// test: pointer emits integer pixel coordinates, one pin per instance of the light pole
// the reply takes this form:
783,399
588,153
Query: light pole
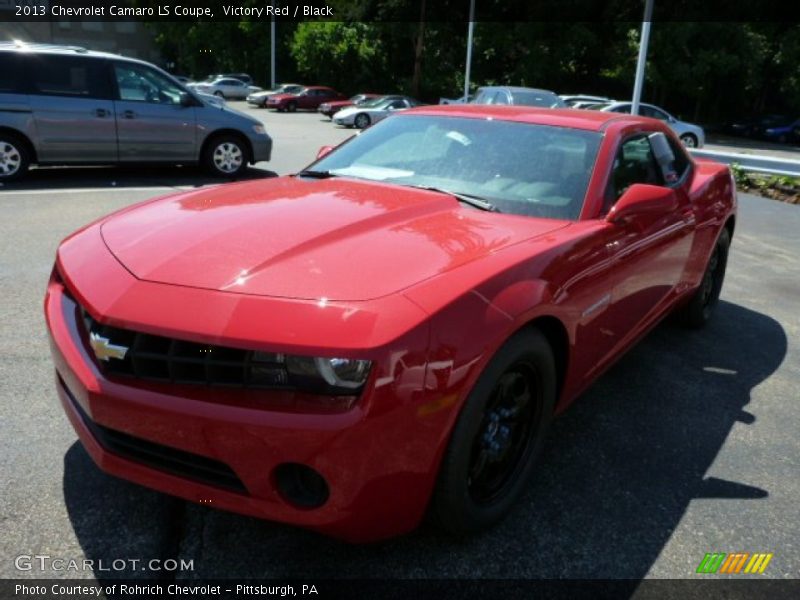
470,29
641,63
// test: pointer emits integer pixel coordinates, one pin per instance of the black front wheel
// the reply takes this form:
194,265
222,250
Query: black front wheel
226,156
497,436
362,121
14,158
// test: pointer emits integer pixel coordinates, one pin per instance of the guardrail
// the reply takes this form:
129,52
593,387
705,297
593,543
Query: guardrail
753,162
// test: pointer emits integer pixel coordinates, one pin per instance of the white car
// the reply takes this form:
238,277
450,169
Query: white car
260,98
364,115
692,136
225,87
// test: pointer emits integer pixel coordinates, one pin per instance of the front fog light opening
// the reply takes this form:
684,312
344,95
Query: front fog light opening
301,485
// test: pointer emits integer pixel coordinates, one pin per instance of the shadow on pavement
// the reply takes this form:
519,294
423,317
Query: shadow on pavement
57,178
617,475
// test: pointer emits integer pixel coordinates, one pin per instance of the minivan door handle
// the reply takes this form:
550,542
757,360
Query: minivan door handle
101,112
129,114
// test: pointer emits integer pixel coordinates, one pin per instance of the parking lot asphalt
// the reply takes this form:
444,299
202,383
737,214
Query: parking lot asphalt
689,445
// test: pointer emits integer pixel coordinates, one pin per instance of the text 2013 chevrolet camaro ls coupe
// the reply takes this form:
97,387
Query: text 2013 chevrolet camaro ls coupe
391,330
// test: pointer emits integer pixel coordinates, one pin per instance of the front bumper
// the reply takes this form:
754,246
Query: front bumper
262,147
379,458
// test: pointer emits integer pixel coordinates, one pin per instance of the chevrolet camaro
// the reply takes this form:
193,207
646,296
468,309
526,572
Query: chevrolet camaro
389,332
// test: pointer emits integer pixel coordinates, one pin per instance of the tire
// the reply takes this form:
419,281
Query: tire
362,121
219,94
701,305
14,157
291,106
689,140
488,439
225,156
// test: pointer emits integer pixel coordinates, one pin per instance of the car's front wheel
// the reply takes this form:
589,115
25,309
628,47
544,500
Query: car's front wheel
14,159
689,140
497,436
701,305
225,156
362,121
219,94
291,107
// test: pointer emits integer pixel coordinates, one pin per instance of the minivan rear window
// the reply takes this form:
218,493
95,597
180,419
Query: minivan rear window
70,76
10,74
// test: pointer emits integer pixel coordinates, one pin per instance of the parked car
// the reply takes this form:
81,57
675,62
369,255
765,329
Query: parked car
260,98
778,129
372,111
226,87
243,77
460,100
691,135
66,106
581,100
309,98
332,107
390,331
518,95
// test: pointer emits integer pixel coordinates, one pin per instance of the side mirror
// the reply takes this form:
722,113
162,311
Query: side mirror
185,99
323,151
642,200
664,156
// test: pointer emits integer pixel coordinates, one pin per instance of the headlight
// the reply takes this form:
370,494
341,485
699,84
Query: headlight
329,376
770,131
259,129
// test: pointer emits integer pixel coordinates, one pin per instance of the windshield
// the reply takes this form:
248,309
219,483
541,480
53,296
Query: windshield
520,168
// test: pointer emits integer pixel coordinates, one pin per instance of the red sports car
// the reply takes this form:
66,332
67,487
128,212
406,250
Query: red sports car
331,108
391,330
310,98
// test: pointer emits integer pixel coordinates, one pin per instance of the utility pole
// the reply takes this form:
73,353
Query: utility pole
642,62
470,29
272,51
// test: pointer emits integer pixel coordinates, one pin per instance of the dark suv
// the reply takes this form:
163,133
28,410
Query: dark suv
67,105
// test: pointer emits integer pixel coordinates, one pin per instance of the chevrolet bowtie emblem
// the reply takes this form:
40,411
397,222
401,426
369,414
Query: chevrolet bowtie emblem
104,349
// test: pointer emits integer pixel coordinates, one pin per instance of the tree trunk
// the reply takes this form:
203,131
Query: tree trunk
418,48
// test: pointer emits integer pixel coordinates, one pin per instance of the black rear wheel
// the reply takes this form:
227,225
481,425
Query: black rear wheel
14,158
497,436
701,306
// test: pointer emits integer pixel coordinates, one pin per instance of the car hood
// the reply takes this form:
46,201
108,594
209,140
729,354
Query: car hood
336,239
351,110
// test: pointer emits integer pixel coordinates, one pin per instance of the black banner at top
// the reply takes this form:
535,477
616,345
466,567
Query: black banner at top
395,10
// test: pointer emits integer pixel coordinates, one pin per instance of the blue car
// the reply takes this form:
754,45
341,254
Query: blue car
779,129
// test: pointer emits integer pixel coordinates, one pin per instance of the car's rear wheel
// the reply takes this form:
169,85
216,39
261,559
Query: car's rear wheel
14,157
700,307
226,156
362,121
689,140
497,436
291,107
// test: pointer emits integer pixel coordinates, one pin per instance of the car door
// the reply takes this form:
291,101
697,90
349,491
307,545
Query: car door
73,113
152,124
233,88
649,256
311,99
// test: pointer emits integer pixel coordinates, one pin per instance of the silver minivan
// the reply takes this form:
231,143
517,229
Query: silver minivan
66,106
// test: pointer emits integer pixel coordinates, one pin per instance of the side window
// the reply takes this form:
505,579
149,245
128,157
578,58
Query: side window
625,108
138,83
500,98
653,113
681,162
70,76
10,74
634,163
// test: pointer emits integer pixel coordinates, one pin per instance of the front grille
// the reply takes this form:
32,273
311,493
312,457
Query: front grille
163,458
163,359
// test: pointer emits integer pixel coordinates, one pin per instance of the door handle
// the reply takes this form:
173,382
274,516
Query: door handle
129,114
101,112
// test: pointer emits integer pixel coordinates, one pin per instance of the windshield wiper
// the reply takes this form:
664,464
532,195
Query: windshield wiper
315,174
472,200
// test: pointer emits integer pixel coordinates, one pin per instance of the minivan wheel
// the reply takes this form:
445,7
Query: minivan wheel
225,156
498,434
14,159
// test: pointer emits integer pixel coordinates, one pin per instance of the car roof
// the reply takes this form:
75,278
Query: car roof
557,117
515,88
